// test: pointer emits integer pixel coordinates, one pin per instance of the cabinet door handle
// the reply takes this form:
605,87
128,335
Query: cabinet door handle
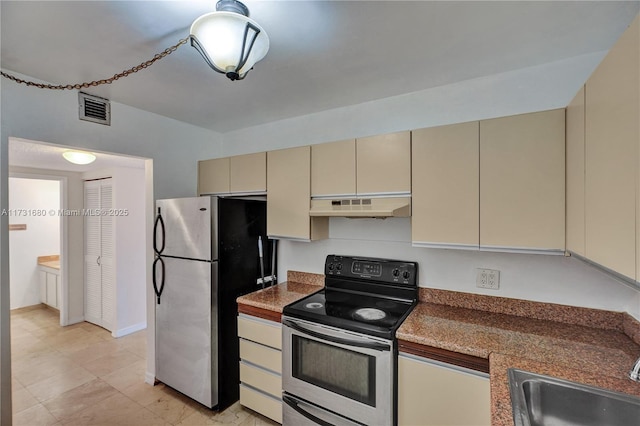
98,260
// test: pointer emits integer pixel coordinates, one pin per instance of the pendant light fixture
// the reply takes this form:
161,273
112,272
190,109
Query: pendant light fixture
79,157
228,40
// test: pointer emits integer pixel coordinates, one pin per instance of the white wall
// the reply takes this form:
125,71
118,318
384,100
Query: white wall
52,116
544,278
531,89
41,238
130,246
131,241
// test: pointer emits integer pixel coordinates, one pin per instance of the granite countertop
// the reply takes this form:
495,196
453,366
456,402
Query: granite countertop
51,261
275,298
579,344
600,356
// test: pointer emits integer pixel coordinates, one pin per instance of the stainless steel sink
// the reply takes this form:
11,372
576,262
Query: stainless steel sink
539,400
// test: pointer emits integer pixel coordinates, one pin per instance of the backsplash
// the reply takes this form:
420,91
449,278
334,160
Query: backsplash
305,278
542,278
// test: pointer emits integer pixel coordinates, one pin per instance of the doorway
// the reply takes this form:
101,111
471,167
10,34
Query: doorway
133,190
36,240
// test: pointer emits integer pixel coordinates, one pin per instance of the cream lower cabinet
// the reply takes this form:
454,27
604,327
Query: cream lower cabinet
431,393
261,365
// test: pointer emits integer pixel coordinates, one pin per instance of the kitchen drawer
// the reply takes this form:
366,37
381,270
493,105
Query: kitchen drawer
261,379
262,403
260,331
261,355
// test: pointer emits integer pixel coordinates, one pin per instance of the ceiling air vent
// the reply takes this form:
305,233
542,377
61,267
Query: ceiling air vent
94,108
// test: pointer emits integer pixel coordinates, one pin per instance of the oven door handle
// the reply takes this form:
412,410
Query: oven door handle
367,345
293,404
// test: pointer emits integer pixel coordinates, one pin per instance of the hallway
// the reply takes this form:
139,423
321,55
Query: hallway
80,375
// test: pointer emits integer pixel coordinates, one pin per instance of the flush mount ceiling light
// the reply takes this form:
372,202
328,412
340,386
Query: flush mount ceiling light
228,40
79,157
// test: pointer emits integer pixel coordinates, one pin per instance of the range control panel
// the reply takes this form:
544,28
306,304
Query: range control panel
372,269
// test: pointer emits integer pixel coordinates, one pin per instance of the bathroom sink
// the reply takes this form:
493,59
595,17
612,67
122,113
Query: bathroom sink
539,400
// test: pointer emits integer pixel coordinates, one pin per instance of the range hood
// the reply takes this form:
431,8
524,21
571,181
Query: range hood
361,207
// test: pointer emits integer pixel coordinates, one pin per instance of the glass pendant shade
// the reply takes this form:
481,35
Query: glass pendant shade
230,42
79,157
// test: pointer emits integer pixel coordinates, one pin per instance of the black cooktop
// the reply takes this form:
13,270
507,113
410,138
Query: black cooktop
365,295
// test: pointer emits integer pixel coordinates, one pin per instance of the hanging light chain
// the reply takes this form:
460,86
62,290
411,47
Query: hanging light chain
95,83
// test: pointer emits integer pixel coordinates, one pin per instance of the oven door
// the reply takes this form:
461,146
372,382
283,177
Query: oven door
344,372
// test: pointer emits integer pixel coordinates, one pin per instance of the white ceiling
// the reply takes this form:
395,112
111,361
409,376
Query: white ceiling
324,54
38,155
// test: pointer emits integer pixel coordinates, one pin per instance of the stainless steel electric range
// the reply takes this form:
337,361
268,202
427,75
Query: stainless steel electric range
339,346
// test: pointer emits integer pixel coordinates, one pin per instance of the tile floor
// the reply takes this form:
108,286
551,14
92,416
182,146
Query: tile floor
80,375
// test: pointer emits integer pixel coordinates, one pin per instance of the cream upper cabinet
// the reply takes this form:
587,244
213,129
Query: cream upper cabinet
366,166
445,176
435,394
248,173
236,175
213,176
522,182
333,169
611,134
383,164
575,174
289,193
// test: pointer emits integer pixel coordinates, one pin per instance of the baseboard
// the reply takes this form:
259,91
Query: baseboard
28,308
75,320
129,330
150,378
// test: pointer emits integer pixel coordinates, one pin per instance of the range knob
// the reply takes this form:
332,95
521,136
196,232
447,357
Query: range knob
406,275
339,266
395,272
331,266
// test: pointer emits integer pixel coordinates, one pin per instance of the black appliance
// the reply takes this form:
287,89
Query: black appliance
339,346
208,252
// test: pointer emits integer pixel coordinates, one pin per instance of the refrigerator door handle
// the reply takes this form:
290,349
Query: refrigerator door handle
157,290
159,222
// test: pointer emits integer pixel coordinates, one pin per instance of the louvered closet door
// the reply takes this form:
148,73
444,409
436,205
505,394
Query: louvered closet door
107,257
99,254
92,248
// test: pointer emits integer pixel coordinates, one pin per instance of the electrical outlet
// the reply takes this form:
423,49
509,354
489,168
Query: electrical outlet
488,278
